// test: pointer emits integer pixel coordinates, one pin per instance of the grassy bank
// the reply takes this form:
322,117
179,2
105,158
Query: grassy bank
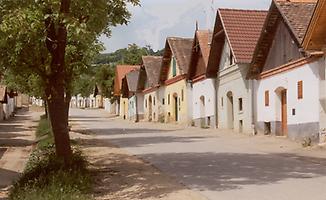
46,178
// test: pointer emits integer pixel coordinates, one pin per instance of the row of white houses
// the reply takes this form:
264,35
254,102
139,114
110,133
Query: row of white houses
10,101
257,72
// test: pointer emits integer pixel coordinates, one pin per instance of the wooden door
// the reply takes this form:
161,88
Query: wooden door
176,108
284,113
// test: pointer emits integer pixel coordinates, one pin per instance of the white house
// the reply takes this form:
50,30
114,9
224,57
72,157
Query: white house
288,80
153,99
129,90
235,36
203,82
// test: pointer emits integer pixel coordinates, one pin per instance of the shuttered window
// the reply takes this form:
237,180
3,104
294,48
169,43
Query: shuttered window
300,90
267,98
174,67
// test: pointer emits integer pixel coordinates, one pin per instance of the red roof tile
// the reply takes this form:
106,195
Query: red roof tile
120,73
243,28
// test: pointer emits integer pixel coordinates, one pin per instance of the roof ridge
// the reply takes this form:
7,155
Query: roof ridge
239,9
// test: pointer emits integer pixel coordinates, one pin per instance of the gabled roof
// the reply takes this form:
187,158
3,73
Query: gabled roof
315,38
132,80
201,46
152,65
180,48
241,29
120,73
296,15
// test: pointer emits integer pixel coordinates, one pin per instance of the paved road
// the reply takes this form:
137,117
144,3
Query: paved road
218,164
16,140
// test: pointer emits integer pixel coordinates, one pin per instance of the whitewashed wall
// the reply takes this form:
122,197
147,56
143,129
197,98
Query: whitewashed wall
132,108
305,121
204,88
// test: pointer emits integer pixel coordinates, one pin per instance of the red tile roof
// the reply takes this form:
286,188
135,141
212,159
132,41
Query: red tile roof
243,28
202,42
120,73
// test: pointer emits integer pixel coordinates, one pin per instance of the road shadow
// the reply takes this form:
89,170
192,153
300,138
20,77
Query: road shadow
138,141
119,131
7,176
2,151
120,176
13,130
229,171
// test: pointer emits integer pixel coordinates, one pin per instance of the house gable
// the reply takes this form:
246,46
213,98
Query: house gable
315,39
176,58
283,49
200,54
289,21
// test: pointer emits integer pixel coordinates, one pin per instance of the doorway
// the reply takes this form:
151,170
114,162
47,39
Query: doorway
202,112
176,107
284,112
150,108
230,110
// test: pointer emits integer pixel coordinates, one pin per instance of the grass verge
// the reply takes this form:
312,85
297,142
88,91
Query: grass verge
45,177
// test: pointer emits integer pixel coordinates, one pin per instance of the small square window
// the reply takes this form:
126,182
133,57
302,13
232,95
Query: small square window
266,98
163,101
300,90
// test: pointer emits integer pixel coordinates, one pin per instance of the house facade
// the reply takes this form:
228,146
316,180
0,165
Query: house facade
151,90
177,92
203,84
235,36
129,90
288,80
120,73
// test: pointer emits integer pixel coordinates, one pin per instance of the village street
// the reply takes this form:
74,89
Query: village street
215,164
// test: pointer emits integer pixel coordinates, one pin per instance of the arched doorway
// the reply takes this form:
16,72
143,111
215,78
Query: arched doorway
202,111
175,107
281,111
230,110
150,108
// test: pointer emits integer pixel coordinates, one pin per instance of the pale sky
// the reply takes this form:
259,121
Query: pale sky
155,20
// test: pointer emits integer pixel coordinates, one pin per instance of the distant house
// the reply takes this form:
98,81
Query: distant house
288,89
129,90
122,103
3,101
203,82
153,103
235,36
173,76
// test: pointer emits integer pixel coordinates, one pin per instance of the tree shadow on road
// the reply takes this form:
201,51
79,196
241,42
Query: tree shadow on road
227,171
139,141
119,131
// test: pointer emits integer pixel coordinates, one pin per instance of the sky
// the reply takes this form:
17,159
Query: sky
155,20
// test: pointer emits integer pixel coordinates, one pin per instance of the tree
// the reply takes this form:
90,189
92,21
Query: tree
55,40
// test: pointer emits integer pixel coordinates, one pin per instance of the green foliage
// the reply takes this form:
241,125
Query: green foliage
44,134
23,36
45,176
131,55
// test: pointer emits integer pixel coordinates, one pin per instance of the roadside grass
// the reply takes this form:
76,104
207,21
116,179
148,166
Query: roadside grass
45,176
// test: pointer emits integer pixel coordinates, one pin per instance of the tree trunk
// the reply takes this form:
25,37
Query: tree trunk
56,43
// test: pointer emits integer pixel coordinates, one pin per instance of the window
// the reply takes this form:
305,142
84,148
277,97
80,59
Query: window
174,67
266,98
154,101
163,101
168,99
300,90
240,104
222,103
146,103
182,95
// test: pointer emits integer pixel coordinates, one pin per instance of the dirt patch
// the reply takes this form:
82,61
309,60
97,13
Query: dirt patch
120,176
